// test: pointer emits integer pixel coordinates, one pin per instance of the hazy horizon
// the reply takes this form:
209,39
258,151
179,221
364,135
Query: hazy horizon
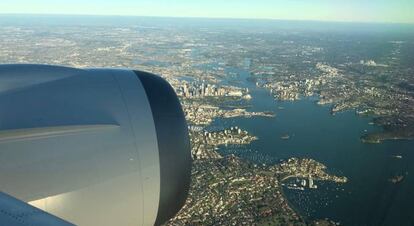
45,15
381,11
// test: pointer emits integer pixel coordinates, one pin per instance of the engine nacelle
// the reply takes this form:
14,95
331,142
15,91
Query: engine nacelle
93,146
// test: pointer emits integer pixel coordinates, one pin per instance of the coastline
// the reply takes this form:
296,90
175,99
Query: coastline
303,217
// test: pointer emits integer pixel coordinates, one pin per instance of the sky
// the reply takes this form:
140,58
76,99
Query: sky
378,11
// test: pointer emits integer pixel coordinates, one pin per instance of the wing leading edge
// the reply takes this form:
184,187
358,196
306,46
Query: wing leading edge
14,212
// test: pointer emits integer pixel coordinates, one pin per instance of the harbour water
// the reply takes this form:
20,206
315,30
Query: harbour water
369,198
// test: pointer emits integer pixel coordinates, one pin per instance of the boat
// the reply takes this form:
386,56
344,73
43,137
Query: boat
285,137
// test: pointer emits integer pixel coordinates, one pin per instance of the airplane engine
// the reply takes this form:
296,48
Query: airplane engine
93,146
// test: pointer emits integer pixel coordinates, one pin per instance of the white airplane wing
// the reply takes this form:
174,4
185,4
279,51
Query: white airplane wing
14,212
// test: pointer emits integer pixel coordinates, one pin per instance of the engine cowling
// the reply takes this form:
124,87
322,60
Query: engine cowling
93,146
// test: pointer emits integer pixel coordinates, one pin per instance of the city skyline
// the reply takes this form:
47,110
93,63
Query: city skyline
316,10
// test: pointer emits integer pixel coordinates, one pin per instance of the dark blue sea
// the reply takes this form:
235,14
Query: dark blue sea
369,198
